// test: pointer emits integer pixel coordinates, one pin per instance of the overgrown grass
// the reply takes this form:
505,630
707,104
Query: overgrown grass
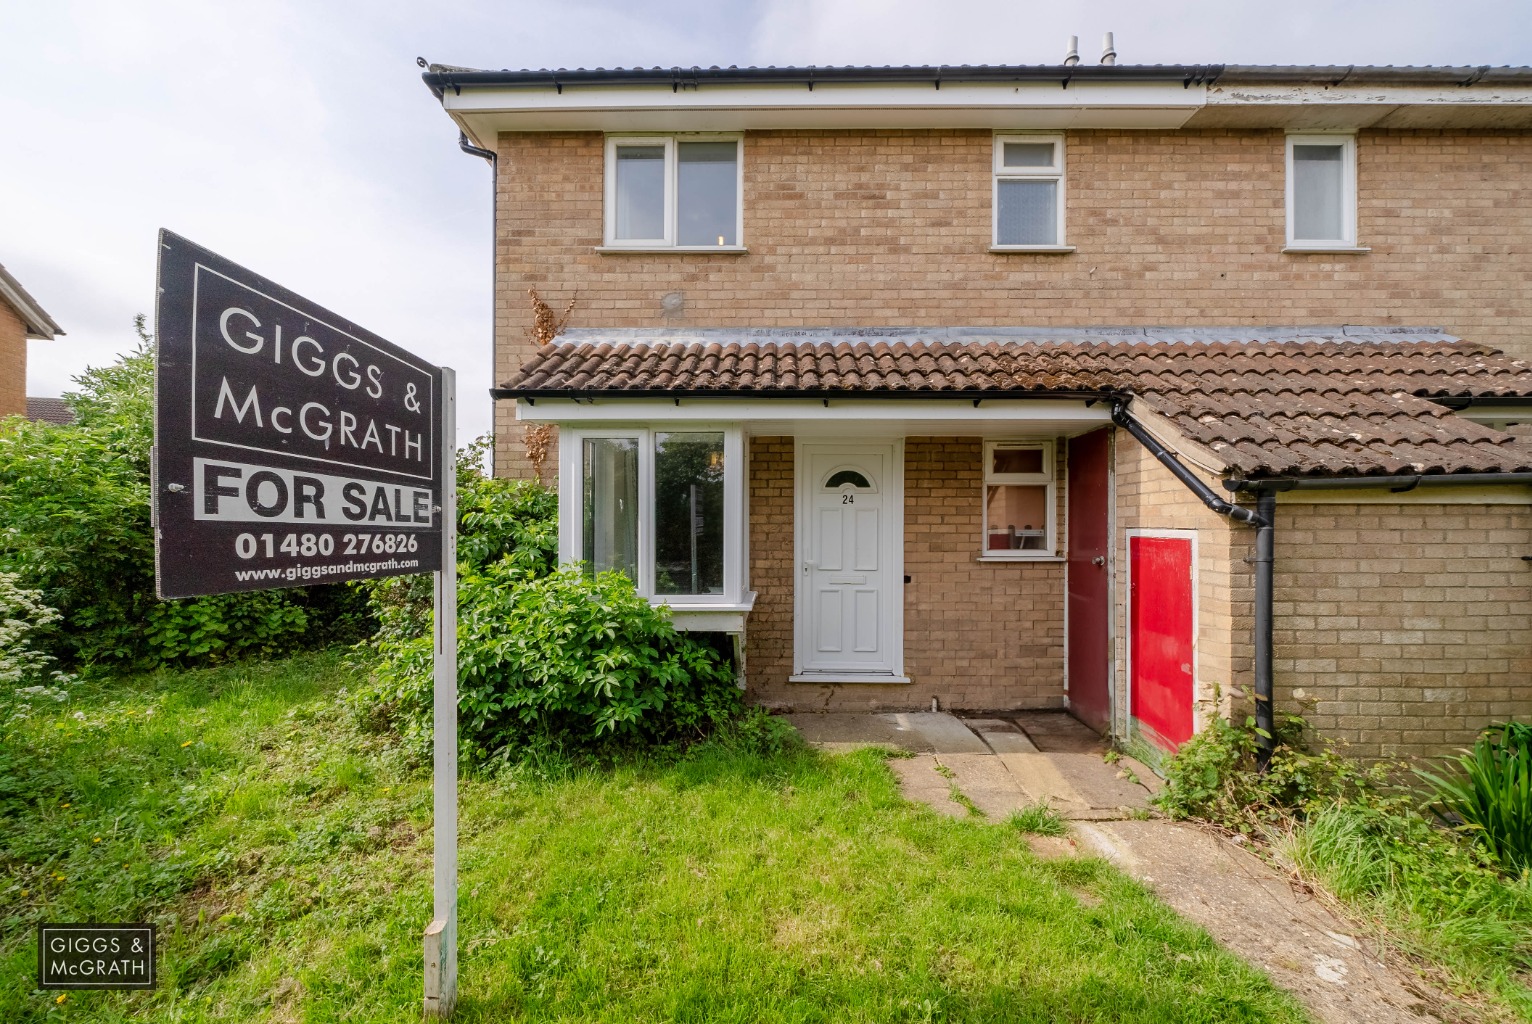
1039,820
285,857
1349,827
1435,897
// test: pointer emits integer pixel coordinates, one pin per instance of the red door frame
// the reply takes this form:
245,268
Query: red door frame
1169,735
1088,584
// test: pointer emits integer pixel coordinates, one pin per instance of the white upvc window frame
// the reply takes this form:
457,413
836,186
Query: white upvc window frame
610,241
1346,142
1047,478
1055,173
571,514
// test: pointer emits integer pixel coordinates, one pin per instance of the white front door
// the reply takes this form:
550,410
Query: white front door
850,587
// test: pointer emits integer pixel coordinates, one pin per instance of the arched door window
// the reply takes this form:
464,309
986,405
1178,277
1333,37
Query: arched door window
853,478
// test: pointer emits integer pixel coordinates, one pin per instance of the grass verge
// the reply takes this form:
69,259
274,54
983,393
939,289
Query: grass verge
286,858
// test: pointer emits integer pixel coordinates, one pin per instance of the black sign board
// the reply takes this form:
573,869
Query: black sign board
291,446
95,956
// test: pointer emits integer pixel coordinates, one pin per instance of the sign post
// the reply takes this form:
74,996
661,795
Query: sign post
441,936
293,447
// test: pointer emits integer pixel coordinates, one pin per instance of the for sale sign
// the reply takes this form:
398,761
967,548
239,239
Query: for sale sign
291,446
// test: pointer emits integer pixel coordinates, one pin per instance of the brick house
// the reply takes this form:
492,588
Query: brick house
20,318
1118,389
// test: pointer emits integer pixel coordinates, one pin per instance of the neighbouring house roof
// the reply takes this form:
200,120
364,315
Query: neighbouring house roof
49,410
38,323
1294,401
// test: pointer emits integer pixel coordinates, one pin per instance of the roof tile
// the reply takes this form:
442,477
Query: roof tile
1274,401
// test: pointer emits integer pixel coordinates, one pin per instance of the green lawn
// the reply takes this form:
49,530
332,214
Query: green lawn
286,859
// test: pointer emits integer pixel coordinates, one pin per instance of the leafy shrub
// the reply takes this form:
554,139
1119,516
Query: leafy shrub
1492,800
1214,776
563,660
25,675
74,501
514,521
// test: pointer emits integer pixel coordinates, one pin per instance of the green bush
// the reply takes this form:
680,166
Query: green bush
74,504
1492,800
564,660
1215,777
498,520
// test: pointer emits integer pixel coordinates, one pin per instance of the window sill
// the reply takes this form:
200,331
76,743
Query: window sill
1020,558
1044,249
1327,248
848,677
649,250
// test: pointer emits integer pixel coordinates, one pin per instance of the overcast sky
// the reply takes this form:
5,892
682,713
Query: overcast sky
295,136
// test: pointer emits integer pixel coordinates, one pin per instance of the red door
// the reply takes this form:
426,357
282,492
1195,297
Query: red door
1160,638
1089,603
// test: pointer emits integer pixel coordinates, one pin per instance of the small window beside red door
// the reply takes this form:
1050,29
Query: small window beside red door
1018,499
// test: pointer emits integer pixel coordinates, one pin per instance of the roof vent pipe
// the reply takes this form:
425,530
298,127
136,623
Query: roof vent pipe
1073,56
1108,51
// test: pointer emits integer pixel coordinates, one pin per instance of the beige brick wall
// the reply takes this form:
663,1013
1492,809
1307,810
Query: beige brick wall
1409,625
1148,497
1404,628
892,227
977,635
13,362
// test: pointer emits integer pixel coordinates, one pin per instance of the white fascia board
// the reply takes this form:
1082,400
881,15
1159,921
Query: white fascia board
1365,95
879,416
485,110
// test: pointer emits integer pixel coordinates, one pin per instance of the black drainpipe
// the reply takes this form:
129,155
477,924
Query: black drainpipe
1263,518
494,227
1265,552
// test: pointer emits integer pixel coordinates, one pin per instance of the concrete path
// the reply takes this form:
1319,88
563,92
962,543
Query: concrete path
1269,920
993,763
993,767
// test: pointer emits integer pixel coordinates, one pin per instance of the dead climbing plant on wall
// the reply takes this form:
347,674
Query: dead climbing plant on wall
546,325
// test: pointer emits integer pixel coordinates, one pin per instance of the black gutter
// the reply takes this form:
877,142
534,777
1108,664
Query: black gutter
441,79
1263,518
1352,74
818,395
1398,483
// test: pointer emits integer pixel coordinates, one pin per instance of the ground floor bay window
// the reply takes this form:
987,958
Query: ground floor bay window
665,507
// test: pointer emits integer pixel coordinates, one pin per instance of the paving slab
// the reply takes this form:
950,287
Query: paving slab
1042,782
1008,742
985,781
1058,732
920,732
1258,913
943,733
920,782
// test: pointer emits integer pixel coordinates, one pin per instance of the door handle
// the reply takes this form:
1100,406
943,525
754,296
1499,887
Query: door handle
1098,560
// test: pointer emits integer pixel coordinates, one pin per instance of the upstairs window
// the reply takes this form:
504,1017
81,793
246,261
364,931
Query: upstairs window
673,192
1029,192
1321,192
1018,499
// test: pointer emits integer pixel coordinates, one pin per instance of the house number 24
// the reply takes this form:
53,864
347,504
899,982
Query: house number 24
848,499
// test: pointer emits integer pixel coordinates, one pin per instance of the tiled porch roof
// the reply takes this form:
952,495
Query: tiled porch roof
1304,401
